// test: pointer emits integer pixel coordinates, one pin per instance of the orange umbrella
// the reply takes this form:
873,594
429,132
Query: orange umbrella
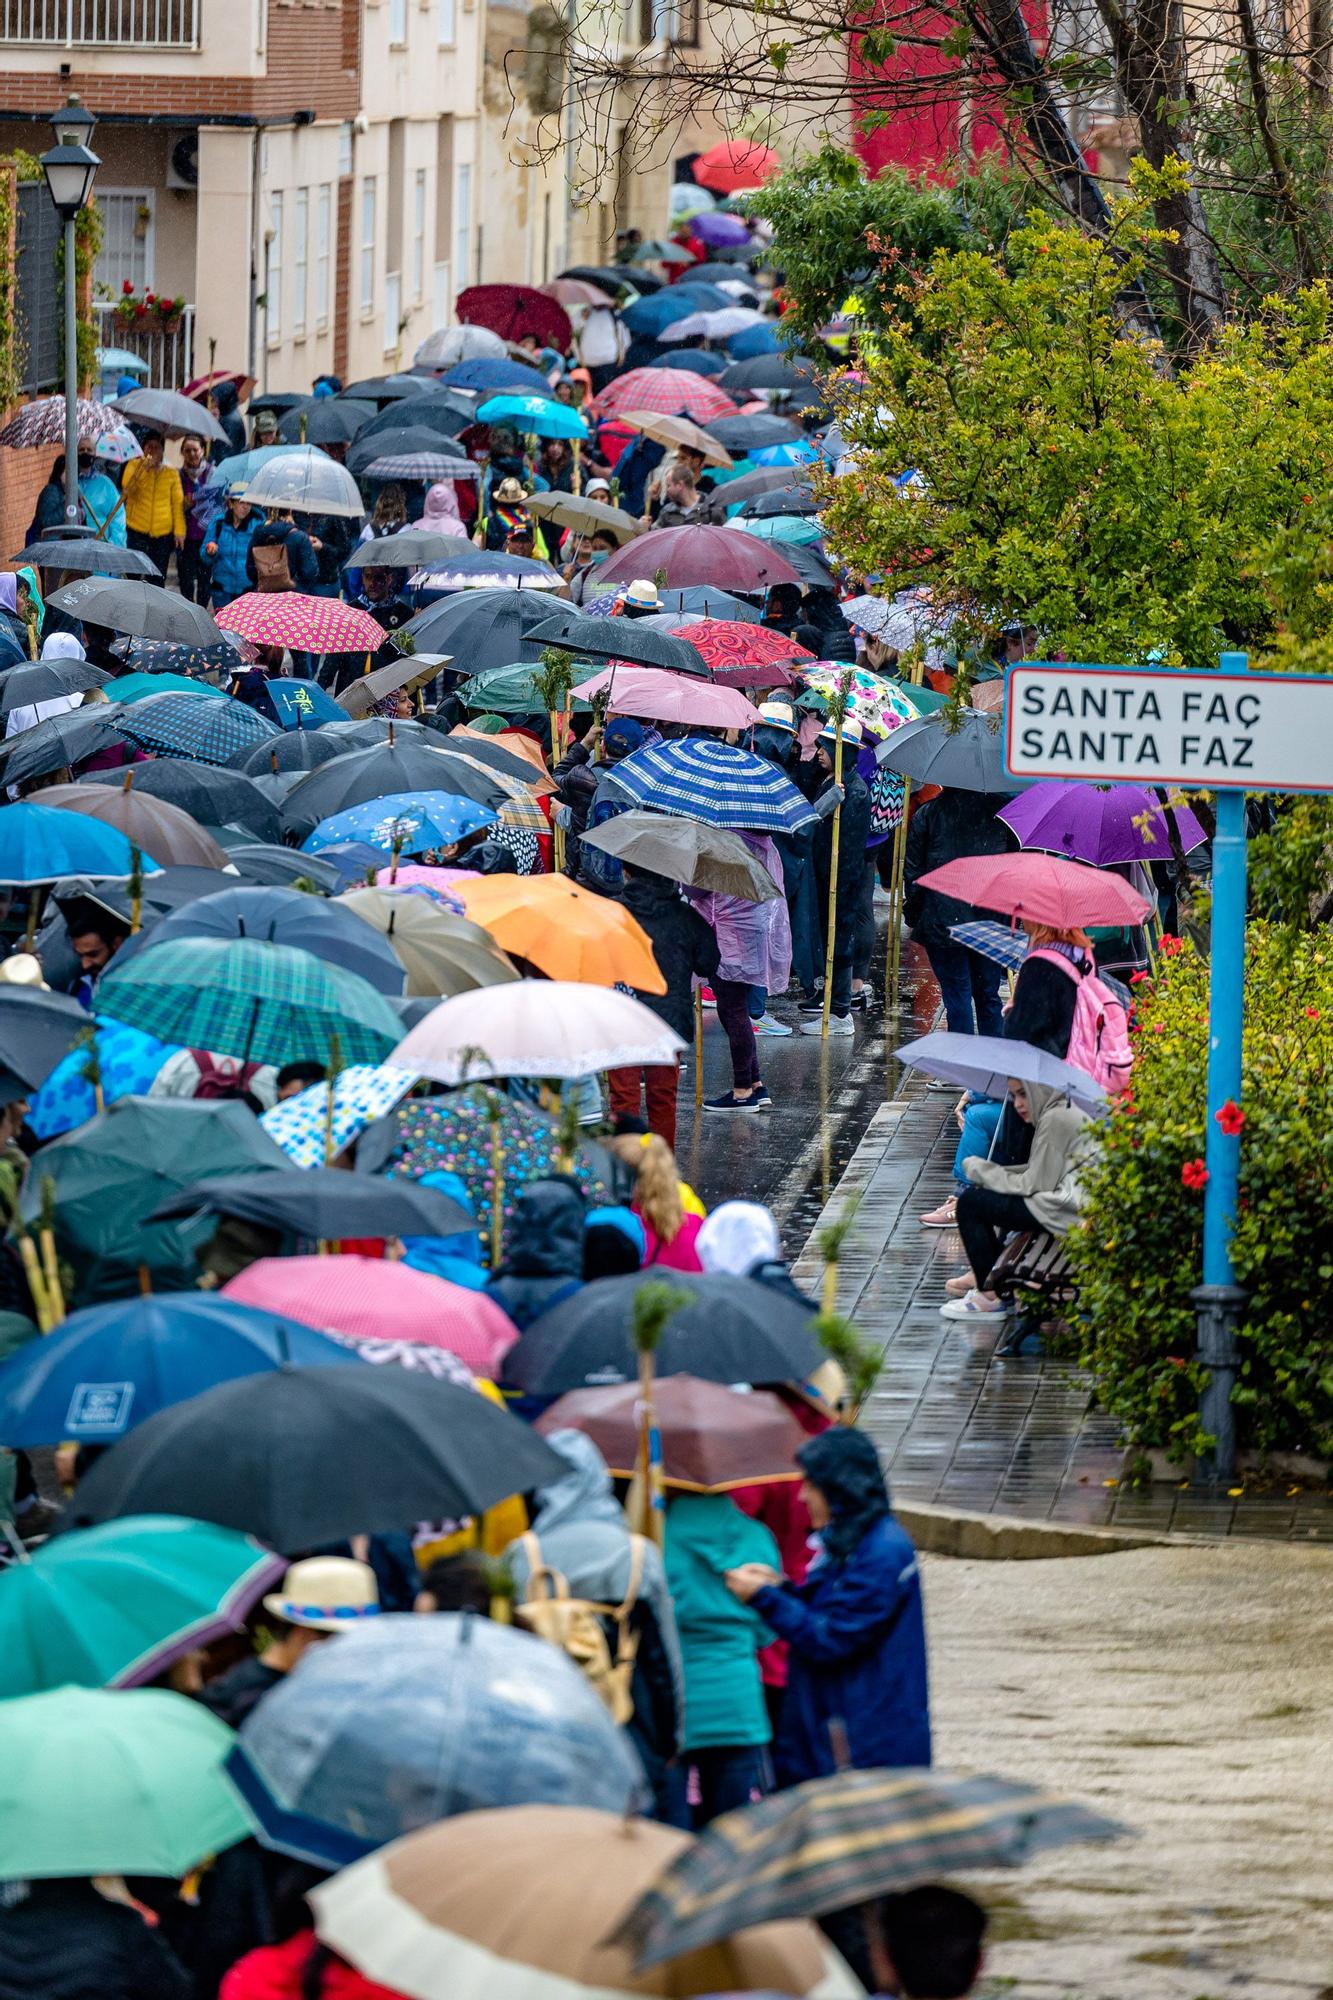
518,745
567,932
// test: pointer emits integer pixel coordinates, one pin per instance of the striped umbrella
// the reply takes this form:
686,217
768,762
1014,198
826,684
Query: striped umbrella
668,392
43,422
834,1842
420,465
718,783
195,725
305,624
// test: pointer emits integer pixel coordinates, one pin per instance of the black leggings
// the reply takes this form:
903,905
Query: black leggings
984,1220
733,1013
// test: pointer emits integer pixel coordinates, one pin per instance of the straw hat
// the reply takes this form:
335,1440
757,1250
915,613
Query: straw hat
510,492
21,968
326,1594
778,715
642,595
851,731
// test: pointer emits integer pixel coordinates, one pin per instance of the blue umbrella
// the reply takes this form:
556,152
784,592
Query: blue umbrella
108,1367
41,843
698,360
242,466
708,602
795,453
535,415
647,317
491,375
128,1061
410,1720
751,342
302,704
718,783
193,725
417,819
353,860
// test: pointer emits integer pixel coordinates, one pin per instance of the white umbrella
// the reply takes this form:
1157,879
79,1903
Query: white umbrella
538,1027
306,480
452,344
718,325
986,1062
176,416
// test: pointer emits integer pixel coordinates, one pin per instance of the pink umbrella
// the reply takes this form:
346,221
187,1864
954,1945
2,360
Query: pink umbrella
662,697
361,1298
1041,888
306,624
415,875
698,555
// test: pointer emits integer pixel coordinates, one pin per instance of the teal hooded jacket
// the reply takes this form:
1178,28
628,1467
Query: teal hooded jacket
706,1535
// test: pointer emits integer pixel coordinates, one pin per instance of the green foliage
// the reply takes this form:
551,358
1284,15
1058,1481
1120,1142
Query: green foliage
555,678
1138,1251
1266,243
1070,479
654,1305
860,1360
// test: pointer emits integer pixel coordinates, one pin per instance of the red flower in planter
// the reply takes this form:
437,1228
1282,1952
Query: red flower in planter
1231,1118
1194,1175
127,288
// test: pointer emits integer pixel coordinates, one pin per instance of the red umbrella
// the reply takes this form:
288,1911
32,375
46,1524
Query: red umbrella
689,556
736,163
306,624
731,646
667,392
713,1438
515,310
1042,888
203,386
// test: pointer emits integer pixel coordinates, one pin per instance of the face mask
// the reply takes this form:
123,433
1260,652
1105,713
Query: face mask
599,555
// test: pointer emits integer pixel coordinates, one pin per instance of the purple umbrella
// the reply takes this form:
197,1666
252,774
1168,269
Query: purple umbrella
719,229
1101,826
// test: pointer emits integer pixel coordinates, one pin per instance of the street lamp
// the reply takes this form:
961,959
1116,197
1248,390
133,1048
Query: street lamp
69,168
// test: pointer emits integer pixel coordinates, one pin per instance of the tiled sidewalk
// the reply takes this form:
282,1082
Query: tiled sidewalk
958,1426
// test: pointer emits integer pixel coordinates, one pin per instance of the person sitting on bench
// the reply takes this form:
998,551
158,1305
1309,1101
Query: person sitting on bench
1042,1194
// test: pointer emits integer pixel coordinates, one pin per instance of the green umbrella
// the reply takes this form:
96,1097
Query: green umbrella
113,1606
925,699
101,1783
245,997
508,690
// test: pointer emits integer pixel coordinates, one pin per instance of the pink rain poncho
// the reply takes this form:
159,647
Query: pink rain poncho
754,938
440,512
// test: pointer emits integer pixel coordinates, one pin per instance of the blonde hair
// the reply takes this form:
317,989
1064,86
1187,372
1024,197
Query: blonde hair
1044,934
656,1184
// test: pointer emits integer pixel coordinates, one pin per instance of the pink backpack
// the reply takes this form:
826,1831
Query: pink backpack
1099,1039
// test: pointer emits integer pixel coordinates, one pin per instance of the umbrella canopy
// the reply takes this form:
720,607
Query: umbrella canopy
128,1064
755,340
323,1204
541,1028
535,416
646,317
788,529
306,624
485,628
100,1783
734,164
361,1298
461,1132
39,843
699,361
1090,823
1039,888
718,325
451,344
424,467
410,548
114,1606
986,1062
125,604
835,1842
509,690
742,434
507,753
173,414
718,783
324,420
429,1915
880,706
408,822
666,392
585,517
491,569
410,1720
578,292
713,1438
163,831
138,687
195,725
767,371
702,601
730,647
108,1368
685,850
298,704
446,413
210,795
43,422
288,750
659,697
492,374
618,639
672,430
698,555
513,311
359,697
731,1330
798,497
84,555
362,1092
752,486
612,277
36,1030
382,389
442,953
258,1455
567,932
308,480
969,758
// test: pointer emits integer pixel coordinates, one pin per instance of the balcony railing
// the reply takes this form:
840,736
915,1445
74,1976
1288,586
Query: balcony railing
118,24
168,349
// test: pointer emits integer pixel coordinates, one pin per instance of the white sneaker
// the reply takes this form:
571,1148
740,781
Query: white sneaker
768,1024
940,1084
974,1305
838,1024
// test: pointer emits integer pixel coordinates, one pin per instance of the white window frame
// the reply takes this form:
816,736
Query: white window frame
420,204
393,309
142,198
300,263
462,223
443,300
323,252
273,273
369,212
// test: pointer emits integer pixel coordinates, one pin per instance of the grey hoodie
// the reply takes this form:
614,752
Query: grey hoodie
1048,1183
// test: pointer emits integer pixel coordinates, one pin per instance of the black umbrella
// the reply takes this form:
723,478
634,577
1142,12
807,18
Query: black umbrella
732,1330
86,556
402,439
444,412
324,420
294,750
36,1030
43,680
296,1462
741,434
358,731
325,1203
284,916
165,656
278,400
130,605
481,628
265,866
485,750
619,639
811,567
378,771
764,479
413,548
60,741
610,277
211,795
767,371
795,499
170,889
382,389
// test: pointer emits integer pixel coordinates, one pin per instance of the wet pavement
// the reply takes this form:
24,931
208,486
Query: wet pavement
958,1425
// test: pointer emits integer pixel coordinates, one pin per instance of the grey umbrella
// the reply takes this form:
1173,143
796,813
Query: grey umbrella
293,750
324,1202
986,1062
305,478
176,416
619,639
969,758
87,556
280,867
323,420
60,742
36,1029
413,548
144,610
685,850
376,772
482,628
44,680
764,479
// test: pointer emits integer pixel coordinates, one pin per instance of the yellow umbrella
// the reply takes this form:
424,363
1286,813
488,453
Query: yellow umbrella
566,932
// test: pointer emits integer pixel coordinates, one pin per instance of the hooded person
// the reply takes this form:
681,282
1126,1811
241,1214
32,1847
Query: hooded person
439,511
543,1260
685,949
741,1237
614,1244
224,400
65,1940
855,1628
579,1530
458,1257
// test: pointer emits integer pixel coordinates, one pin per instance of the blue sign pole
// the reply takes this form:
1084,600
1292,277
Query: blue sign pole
1218,1299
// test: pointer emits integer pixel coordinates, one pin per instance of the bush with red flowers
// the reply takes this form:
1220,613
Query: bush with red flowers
153,306
1139,1250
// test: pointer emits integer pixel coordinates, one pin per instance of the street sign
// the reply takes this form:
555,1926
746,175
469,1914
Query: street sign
1257,732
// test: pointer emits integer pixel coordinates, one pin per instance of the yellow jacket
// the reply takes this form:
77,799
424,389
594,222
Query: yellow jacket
154,501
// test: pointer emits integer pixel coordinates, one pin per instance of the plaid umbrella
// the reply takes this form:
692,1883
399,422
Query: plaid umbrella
718,783
455,1134
43,422
362,1093
195,725
730,646
305,624
668,392
248,998
834,1842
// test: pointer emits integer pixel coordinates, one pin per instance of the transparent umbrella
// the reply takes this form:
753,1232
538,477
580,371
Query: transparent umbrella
306,479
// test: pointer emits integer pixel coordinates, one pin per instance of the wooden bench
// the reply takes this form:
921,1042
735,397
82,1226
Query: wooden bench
1033,1267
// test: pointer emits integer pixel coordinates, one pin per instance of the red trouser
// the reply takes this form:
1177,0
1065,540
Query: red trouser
660,1081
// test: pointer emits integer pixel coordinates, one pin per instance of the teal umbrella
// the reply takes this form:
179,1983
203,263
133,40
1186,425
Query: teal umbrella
113,1606
101,1783
508,690
134,687
534,415
797,528
245,997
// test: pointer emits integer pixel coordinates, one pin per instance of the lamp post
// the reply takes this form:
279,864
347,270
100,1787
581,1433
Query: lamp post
70,167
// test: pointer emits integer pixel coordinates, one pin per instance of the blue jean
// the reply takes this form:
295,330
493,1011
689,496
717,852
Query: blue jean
974,1141
970,989
758,1002
730,1775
